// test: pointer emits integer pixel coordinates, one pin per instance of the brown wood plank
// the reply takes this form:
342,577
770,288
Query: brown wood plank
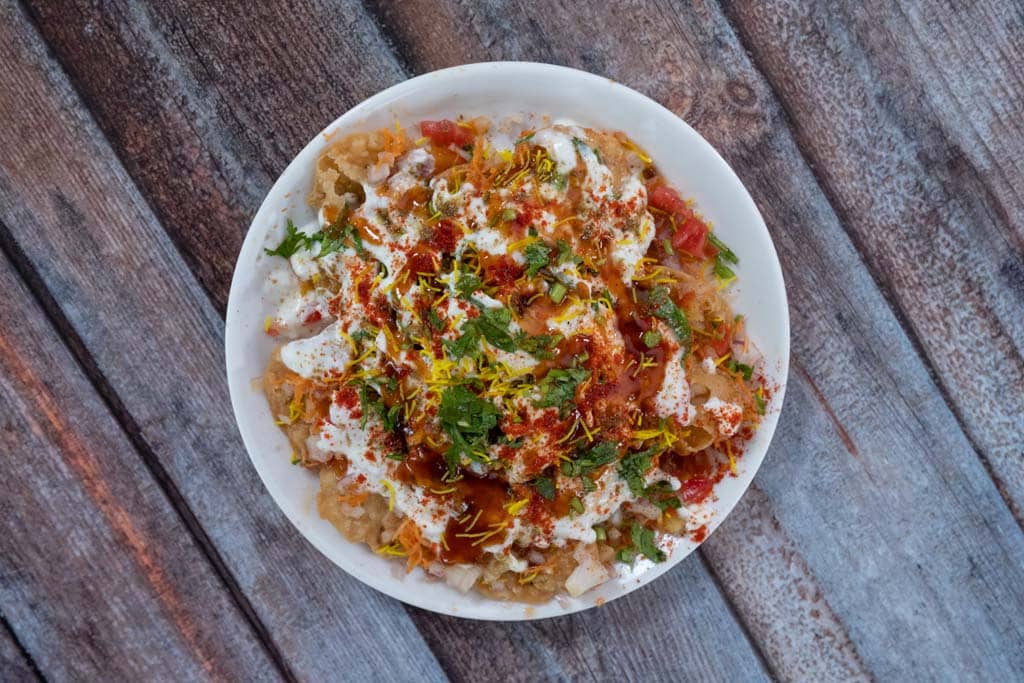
880,500
679,626
100,576
15,666
911,116
113,277
210,101
703,615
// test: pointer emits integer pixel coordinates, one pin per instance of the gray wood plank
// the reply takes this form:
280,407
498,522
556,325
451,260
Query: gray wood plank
661,631
878,494
704,615
97,572
911,117
232,92
156,341
15,667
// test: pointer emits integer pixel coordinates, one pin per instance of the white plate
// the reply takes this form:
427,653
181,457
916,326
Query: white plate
497,90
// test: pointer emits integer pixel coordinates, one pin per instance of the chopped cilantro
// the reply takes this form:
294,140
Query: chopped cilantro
739,368
539,346
292,242
667,310
558,388
626,555
545,486
468,343
643,542
466,419
434,320
565,253
633,467
493,325
589,459
537,257
468,284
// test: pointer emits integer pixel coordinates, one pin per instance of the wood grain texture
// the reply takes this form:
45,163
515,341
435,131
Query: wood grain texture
911,119
703,614
874,544
870,479
202,103
15,666
113,276
676,628
96,569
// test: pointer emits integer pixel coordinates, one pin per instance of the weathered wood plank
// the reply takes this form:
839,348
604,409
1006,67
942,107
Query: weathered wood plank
112,273
910,115
233,91
96,570
15,667
702,615
868,455
663,630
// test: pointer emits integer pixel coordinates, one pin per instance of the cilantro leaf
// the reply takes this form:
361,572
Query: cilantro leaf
467,345
537,257
565,253
468,284
667,310
634,466
434,320
467,419
643,542
292,242
545,486
739,368
589,459
558,388
539,346
493,325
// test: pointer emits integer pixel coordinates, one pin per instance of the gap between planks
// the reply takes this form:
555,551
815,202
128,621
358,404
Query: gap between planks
7,631
901,316
70,338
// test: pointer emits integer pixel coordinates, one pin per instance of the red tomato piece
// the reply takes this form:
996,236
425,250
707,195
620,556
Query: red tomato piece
665,198
697,489
691,233
691,236
446,132
721,346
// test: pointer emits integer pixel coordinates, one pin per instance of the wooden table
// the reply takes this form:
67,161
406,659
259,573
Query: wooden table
883,536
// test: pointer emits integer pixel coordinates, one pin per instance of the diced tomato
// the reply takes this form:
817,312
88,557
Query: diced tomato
721,346
691,233
446,132
697,489
314,317
691,236
665,198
